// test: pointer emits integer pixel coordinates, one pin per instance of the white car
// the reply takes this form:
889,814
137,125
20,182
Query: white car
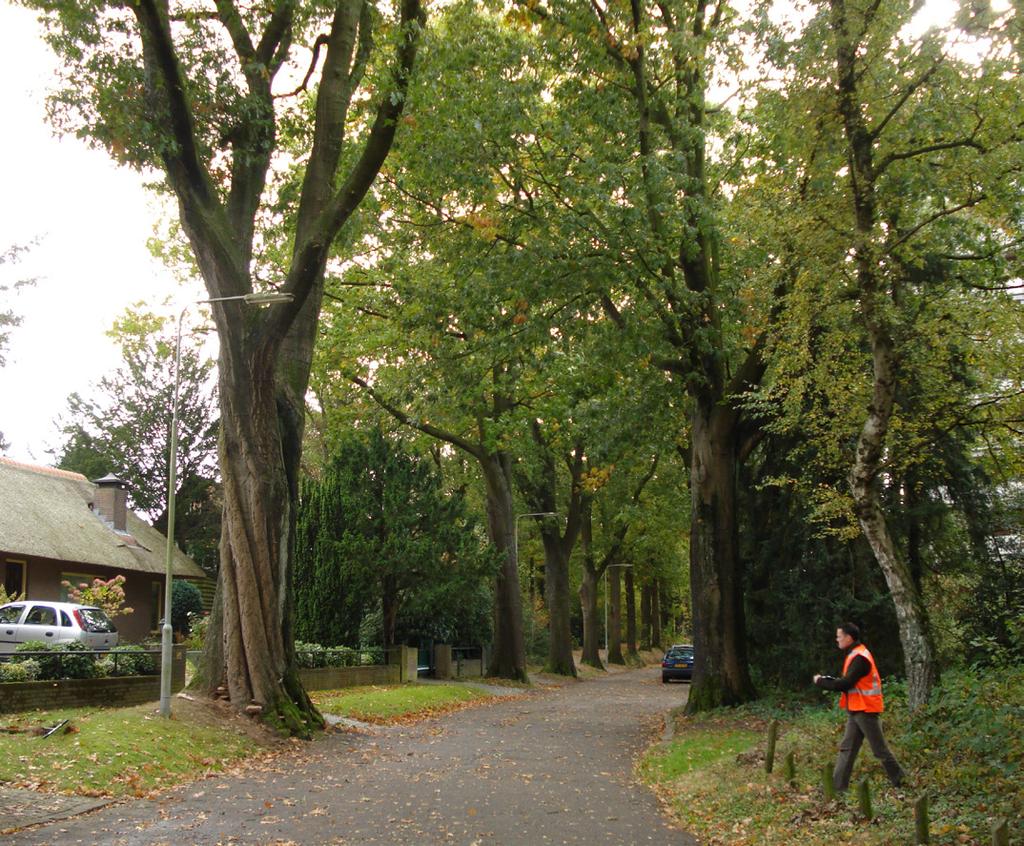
54,622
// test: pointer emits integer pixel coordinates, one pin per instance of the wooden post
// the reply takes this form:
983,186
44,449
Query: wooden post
769,755
1000,833
921,819
828,786
864,799
789,767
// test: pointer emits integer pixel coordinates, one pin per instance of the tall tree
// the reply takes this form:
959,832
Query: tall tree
636,171
898,181
376,530
191,93
124,428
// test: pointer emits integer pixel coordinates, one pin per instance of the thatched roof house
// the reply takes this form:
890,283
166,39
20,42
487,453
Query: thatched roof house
56,526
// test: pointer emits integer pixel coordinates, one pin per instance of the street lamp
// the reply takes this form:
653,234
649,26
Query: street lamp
515,533
515,547
606,569
265,298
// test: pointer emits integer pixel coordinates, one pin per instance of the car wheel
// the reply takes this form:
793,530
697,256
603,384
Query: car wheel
664,679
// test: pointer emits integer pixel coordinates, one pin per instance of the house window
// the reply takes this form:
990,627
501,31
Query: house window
14,578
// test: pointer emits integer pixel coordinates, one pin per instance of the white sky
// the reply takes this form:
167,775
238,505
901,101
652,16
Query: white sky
92,220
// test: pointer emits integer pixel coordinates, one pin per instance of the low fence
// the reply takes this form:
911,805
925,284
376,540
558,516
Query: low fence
111,691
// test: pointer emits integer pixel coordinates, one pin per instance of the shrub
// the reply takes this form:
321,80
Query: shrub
132,661
186,601
71,660
26,670
198,624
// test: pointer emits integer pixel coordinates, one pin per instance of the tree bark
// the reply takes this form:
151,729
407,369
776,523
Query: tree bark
721,675
645,615
630,592
588,597
508,652
657,639
558,598
911,614
614,600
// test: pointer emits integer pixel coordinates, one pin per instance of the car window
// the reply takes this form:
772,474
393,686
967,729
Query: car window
680,654
65,620
11,613
41,615
94,620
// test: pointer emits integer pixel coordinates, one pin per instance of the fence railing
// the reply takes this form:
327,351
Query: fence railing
65,664
342,656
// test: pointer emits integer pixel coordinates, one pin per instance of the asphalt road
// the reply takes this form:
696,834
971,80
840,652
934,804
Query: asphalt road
552,767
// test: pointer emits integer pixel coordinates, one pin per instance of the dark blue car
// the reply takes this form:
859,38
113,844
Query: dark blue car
677,663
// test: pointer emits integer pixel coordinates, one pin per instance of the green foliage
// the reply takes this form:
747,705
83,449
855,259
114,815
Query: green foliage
378,531
197,626
70,660
124,429
132,660
26,670
121,752
965,750
314,655
186,603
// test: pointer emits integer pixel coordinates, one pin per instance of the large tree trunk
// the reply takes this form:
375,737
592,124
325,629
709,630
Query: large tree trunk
721,675
645,615
630,591
253,585
558,597
588,598
508,652
614,600
915,631
657,638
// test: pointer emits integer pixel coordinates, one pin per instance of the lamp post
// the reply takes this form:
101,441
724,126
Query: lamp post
515,533
515,546
267,298
606,569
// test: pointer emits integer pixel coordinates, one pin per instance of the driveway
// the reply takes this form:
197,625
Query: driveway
551,767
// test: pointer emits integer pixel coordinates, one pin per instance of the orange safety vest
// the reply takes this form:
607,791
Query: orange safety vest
866,695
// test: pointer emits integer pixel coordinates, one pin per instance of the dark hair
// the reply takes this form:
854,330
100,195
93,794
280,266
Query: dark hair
852,629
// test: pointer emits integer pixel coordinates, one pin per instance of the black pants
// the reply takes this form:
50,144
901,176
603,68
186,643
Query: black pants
858,726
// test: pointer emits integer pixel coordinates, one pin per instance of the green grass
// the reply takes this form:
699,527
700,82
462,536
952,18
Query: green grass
696,750
115,751
965,750
393,703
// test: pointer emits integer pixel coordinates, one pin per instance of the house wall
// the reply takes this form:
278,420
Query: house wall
43,581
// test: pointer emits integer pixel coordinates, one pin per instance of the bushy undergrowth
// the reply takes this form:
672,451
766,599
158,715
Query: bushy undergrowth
74,660
964,750
313,655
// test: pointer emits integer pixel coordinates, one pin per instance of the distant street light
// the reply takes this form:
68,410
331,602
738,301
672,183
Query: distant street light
515,533
265,298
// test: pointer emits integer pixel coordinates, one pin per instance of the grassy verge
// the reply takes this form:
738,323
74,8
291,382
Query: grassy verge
121,751
386,704
965,750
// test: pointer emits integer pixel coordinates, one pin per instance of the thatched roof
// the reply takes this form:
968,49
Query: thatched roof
46,513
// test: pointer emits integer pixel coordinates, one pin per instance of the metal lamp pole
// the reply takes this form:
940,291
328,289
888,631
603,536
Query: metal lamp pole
268,298
515,545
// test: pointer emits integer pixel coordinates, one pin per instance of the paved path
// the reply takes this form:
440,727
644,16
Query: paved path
552,767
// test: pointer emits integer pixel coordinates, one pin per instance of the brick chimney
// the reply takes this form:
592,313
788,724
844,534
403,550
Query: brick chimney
111,501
